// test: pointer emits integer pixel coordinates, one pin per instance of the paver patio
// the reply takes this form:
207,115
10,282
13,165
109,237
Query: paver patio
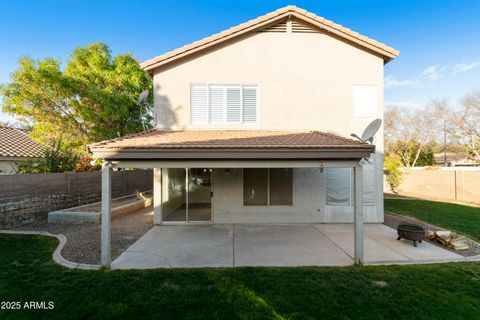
228,245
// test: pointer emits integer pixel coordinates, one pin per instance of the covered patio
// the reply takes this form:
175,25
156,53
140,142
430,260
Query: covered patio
165,151
229,245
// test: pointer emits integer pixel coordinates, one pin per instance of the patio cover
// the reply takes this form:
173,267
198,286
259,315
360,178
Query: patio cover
230,144
215,149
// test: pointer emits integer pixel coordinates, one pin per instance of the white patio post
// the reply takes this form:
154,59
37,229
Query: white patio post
157,196
358,214
106,214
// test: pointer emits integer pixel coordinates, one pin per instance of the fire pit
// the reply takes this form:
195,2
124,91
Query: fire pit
411,232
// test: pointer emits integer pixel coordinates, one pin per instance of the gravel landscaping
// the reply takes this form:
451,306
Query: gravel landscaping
83,240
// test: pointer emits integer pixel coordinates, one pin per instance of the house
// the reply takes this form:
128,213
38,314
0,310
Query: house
252,126
455,159
16,146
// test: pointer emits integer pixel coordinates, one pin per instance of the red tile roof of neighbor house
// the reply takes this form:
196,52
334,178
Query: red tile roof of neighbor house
388,53
229,139
16,142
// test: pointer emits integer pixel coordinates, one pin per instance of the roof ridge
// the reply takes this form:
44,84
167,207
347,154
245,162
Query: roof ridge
389,53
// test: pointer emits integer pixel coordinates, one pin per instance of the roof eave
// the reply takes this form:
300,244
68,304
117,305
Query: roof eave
342,152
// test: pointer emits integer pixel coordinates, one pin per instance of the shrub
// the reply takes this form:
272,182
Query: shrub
85,165
54,160
394,176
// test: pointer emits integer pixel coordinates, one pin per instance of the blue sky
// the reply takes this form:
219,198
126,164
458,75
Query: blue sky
438,40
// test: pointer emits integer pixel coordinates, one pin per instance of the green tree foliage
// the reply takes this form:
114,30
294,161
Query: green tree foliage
394,177
91,99
54,160
411,153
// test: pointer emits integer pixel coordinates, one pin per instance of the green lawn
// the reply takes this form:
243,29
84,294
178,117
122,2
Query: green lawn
27,273
456,217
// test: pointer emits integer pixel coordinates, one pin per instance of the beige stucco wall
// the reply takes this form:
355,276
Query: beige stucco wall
305,82
309,199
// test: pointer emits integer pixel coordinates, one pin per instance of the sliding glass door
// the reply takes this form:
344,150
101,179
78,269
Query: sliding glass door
187,195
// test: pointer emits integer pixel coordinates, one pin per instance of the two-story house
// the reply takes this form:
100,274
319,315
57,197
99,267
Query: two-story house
252,126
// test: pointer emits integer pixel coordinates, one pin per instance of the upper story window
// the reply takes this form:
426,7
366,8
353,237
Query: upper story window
224,104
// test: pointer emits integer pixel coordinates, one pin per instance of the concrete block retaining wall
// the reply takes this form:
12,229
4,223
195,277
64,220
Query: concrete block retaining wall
23,198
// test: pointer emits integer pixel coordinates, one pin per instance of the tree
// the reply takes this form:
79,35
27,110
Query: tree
408,133
463,122
91,99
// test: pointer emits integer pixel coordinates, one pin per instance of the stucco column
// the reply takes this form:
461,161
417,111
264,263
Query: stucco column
106,215
157,196
358,214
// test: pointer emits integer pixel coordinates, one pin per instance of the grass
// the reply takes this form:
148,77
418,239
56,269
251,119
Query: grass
27,273
462,219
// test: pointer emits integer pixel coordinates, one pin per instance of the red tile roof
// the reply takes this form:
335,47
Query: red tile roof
209,139
17,143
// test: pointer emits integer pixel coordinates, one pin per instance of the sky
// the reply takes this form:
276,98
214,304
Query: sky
438,40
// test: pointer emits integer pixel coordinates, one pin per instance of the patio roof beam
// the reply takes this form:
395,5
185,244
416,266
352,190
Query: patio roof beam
233,164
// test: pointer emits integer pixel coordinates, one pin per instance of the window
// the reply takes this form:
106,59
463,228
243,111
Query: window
281,186
339,186
255,187
220,104
365,101
262,187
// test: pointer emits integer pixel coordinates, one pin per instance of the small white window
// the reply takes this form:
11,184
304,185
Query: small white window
219,104
339,186
365,101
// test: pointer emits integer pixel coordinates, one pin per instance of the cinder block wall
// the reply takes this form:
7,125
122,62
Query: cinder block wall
26,197
449,185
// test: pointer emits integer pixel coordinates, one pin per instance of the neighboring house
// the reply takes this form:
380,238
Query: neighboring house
455,159
252,126
16,146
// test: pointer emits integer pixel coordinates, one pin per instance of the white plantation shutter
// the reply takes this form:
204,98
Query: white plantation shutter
224,104
249,104
199,104
233,104
217,104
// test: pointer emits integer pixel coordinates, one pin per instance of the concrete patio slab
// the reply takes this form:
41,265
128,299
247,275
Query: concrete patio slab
342,236
285,245
227,245
381,245
424,251
180,247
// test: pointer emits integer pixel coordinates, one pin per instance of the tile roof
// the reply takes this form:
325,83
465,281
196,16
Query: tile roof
387,52
17,143
229,139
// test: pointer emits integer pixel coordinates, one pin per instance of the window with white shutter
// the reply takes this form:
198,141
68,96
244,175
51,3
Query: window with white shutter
199,104
217,104
223,104
250,104
233,104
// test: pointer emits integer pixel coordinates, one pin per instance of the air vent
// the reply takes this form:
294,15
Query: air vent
279,27
300,27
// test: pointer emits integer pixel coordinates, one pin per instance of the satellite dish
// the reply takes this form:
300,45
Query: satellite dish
142,98
369,132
